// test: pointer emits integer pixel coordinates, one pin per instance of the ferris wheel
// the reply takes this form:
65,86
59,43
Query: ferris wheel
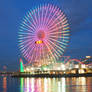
43,34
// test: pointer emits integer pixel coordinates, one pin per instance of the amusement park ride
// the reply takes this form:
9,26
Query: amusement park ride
43,38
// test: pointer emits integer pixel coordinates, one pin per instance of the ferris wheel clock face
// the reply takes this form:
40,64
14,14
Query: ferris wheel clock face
43,34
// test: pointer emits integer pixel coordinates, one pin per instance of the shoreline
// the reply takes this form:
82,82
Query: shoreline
52,75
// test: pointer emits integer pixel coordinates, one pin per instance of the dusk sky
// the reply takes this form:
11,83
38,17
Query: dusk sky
78,12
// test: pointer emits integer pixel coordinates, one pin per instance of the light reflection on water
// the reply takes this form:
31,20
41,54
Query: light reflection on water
4,84
80,84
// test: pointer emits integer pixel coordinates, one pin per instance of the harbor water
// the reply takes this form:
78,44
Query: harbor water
74,84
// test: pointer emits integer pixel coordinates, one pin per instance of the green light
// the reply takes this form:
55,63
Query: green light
21,84
21,66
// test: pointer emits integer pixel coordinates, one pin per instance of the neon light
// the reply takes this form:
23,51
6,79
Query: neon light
44,34
21,66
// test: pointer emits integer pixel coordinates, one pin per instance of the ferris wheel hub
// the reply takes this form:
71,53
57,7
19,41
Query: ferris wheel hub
41,34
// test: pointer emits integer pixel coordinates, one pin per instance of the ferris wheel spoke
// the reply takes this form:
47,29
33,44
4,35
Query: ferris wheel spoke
60,17
21,45
64,37
54,21
36,52
59,37
63,41
23,41
30,22
27,23
38,15
66,28
27,45
50,19
50,52
56,46
33,21
28,27
42,17
66,34
66,41
64,22
35,16
32,52
59,32
56,13
26,33
39,54
34,59
47,55
25,36
31,55
25,29
54,27
65,25
63,44
54,50
25,53
27,50
45,14
51,8
44,54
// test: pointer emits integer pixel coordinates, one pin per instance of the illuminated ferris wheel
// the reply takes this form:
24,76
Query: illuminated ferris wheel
44,34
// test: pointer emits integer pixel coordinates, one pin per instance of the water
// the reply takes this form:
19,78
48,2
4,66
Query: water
81,84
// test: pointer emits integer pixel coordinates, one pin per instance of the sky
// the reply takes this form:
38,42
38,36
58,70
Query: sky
78,12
